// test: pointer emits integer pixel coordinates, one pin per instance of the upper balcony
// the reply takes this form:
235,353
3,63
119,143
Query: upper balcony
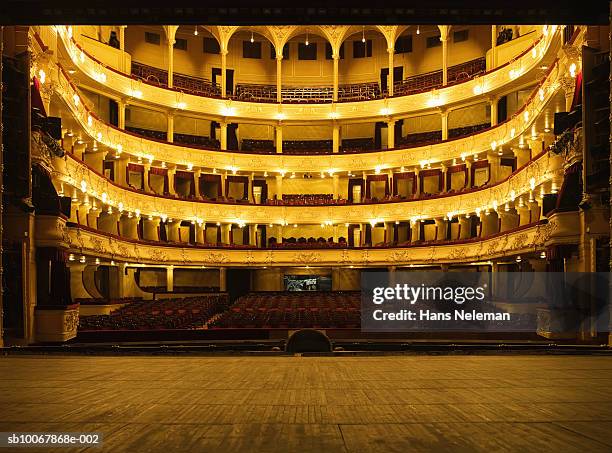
510,65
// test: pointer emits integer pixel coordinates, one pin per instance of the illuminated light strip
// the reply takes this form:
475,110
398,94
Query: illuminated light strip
122,84
445,151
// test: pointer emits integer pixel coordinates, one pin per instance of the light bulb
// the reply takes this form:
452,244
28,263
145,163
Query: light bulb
195,31
418,30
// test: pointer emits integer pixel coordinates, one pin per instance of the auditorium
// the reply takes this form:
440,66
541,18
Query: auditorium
193,216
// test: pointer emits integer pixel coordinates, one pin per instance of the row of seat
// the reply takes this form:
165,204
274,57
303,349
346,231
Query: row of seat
196,85
431,80
311,242
176,313
347,92
106,301
309,146
288,310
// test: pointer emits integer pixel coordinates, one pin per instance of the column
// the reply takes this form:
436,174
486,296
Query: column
336,181
82,210
150,229
121,106
495,167
536,145
223,135
336,138
92,218
122,66
415,228
444,39
172,230
418,182
509,219
171,174
279,187
390,134
440,229
523,156
468,166
252,234
200,233
279,138
534,211
523,213
444,116
493,46
390,81
145,177
336,59
222,279
170,278
170,63
465,230
223,73
493,102
196,180
225,233
128,226
279,65
170,133
445,187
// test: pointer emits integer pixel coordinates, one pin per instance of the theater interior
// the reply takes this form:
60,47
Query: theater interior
190,211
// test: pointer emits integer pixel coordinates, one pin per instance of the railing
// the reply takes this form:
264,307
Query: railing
190,84
425,82
293,95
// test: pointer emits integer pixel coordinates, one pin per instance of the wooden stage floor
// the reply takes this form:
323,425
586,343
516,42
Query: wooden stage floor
410,403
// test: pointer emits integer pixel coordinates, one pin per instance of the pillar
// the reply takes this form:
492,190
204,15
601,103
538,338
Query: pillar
223,73
252,234
279,138
536,145
493,100
196,180
336,138
444,39
222,279
128,226
223,135
336,182
150,229
172,230
170,133
336,59
145,177
225,233
509,220
279,85
415,228
445,187
523,156
83,211
170,63
121,106
170,278
465,230
494,167
493,46
440,229
122,64
534,210
444,117
279,187
92,218
523,213
390,134
171,174
468,166
390,81
200,233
